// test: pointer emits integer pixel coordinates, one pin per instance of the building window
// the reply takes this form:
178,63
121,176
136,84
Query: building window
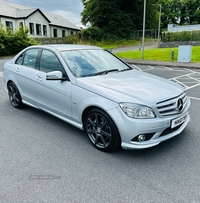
9,25
31,27
38,29
71,33
21,24
44,30
55,33
63,33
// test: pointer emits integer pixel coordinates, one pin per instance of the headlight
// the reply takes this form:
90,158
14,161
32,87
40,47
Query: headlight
137,111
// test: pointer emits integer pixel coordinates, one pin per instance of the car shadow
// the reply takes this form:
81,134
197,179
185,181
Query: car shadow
166,148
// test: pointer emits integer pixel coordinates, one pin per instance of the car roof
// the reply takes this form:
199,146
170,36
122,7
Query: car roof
65,47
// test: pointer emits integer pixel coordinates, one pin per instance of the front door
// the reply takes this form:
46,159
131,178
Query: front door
53,96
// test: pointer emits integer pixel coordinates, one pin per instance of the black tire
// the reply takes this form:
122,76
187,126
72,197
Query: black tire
14,95
101,130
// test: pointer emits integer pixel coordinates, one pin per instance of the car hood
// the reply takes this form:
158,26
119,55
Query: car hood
131,86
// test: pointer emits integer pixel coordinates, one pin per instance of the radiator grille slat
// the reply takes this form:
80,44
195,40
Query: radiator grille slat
170,107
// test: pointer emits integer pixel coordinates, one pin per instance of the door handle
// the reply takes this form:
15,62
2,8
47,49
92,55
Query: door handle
38,78
17,70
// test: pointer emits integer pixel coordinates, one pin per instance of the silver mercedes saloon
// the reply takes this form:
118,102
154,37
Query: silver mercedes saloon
93,90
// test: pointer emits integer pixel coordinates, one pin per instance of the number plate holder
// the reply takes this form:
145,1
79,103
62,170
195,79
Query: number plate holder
178,121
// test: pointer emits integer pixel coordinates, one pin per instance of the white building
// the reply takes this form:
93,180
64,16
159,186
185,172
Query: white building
178,28
40,23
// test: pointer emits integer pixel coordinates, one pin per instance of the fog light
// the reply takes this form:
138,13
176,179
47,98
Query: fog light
141,138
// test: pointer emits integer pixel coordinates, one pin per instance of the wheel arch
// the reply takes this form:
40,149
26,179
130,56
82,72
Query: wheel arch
117,143
86,110
15,94
10,81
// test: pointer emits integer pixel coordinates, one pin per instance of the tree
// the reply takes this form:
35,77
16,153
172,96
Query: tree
180,12
119,17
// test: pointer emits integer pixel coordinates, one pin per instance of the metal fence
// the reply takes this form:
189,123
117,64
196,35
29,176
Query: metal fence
152,33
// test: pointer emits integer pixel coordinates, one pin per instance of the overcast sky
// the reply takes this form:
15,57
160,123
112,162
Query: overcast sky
69,9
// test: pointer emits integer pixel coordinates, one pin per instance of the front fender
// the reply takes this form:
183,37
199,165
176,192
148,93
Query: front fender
87,99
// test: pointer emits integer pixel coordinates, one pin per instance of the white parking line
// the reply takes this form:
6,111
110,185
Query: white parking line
136,67
150,68
192,86
1,74
194,78
189,80
180,83
181,76
195,98
168,68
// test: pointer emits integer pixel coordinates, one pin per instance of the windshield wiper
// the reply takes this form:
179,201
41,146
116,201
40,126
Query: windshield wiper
125,69
106,72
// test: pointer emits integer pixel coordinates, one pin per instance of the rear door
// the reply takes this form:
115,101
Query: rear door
24,71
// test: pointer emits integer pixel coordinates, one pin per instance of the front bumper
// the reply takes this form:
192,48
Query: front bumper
157,138
159,128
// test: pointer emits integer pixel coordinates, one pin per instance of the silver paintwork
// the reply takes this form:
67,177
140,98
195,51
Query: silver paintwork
68,100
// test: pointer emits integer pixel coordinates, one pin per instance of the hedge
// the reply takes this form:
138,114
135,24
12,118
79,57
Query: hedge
12,42
180,36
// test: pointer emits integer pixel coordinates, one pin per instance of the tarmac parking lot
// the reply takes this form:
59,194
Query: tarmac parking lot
189,78
44,159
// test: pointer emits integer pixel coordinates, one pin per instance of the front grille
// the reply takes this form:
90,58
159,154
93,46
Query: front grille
170,106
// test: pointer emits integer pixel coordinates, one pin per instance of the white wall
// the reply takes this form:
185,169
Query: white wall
175,28
3,21
35,18
38,18
59,31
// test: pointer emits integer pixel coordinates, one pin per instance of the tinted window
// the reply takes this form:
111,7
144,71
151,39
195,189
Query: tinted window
49,62
30,58
20,59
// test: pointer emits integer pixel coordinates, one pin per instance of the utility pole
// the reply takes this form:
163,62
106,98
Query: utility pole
143,33
159,23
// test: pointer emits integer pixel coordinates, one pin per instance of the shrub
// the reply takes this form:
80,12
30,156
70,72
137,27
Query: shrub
72,39
92,34
181,36
13,42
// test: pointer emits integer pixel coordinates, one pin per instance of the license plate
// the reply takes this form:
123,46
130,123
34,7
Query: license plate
178,121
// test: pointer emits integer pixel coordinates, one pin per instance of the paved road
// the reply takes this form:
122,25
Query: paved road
43,159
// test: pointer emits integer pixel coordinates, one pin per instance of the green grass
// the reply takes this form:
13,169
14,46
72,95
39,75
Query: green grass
119,43
116,44
159,54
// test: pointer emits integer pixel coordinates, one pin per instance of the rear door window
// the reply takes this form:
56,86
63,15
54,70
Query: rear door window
28,58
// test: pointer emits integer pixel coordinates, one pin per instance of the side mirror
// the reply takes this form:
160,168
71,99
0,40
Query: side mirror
55,75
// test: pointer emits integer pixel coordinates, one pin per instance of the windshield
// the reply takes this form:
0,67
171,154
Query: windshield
83,63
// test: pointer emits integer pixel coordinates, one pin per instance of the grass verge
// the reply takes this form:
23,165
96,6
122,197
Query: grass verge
159,54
